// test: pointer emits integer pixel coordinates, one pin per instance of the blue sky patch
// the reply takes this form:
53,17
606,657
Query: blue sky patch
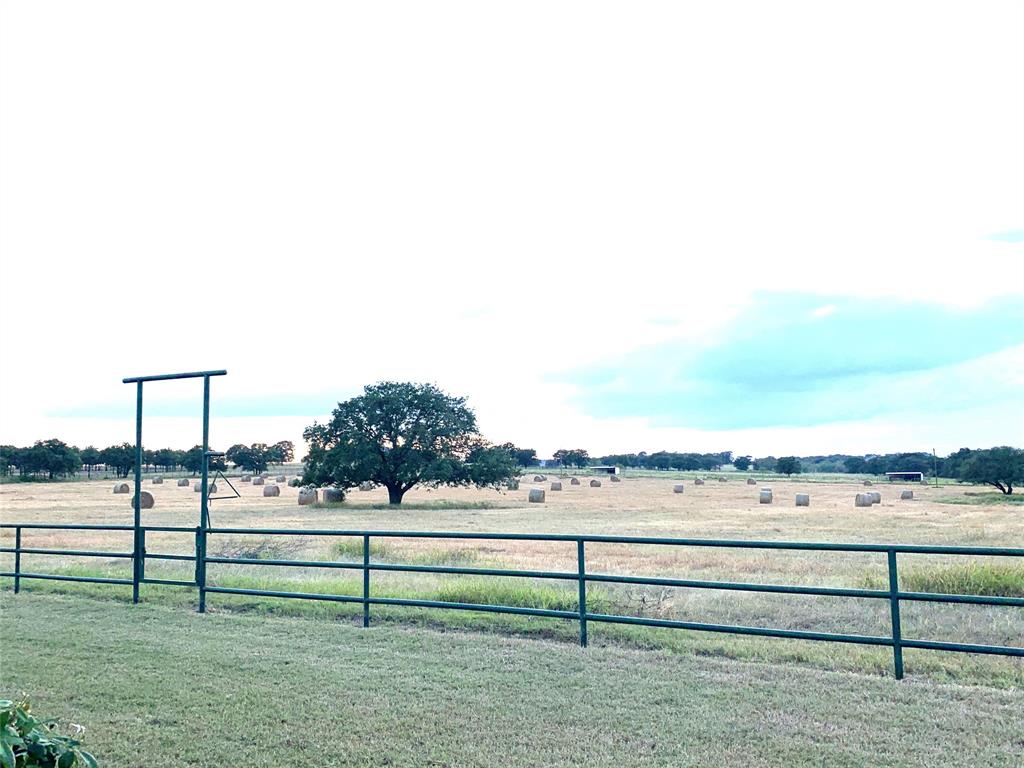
800,360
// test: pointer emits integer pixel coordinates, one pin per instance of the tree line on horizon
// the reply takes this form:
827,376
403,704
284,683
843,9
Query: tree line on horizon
402,434
54,459
869,464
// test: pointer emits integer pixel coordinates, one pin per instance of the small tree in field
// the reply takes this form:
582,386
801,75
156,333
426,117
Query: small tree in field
192,461
281,452
742,463
90,458
399,435
571,457
998,467
120,458
788,465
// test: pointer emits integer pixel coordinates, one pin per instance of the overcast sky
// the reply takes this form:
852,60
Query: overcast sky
760,227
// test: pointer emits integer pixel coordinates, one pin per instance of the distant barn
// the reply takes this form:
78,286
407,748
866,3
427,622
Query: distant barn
912,477
605,470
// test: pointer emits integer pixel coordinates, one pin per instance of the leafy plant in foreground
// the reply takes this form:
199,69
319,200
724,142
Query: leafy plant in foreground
26,741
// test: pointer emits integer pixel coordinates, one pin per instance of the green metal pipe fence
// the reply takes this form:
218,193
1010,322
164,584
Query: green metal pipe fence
893,594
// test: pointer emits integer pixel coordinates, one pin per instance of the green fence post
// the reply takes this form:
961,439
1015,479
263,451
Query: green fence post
201,566
894,607
204,501
142,555
17,560
137,549
366,580
581,568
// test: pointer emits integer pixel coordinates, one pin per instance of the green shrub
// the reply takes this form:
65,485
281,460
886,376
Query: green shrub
26,741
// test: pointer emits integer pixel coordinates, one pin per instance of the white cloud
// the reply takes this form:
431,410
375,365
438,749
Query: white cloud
321,196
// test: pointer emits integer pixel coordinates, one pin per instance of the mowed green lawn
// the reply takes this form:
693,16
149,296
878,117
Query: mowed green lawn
158,686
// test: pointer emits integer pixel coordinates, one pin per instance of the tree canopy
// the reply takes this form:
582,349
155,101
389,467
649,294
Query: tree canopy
252,458
572,457
403,434
51,457
999,467
788,465
524,457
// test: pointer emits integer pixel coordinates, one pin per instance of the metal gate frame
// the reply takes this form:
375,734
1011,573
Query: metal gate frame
139,559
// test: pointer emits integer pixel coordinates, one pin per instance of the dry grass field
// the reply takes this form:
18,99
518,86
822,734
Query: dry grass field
948,515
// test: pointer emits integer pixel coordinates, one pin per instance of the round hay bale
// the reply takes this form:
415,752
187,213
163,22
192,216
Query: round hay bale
615,479
183,482
867,482
271,490
213,487
308,496
512,485
876,497
766,496
146,500
803,500
751,481
157,481
595,483
264,475
258,480
863,500
907,496
698,481
574,481
556,486
281,478
723,480
333,495
246,478
366,485
536,496
678,488
539,478
121,488
197,487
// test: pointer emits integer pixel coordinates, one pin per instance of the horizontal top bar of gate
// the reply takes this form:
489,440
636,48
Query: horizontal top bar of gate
728,543
167,376
97,527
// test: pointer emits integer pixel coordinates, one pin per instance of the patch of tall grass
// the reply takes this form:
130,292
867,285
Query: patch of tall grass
352,549
439,505
968,579
982,499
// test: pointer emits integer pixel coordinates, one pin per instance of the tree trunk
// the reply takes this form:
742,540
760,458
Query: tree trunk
395,494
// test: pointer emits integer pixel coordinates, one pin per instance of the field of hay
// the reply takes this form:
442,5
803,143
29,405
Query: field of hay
947,515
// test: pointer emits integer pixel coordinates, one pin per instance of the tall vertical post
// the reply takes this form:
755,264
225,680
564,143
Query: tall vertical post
204,502
137,549
17,560
366,580
581,567
894,607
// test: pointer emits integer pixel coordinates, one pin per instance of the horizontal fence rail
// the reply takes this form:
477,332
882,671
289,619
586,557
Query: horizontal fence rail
893,595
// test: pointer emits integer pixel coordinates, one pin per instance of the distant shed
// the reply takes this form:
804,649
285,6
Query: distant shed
912,477
605,470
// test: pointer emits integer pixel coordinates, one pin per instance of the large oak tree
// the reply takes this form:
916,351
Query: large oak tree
399,435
